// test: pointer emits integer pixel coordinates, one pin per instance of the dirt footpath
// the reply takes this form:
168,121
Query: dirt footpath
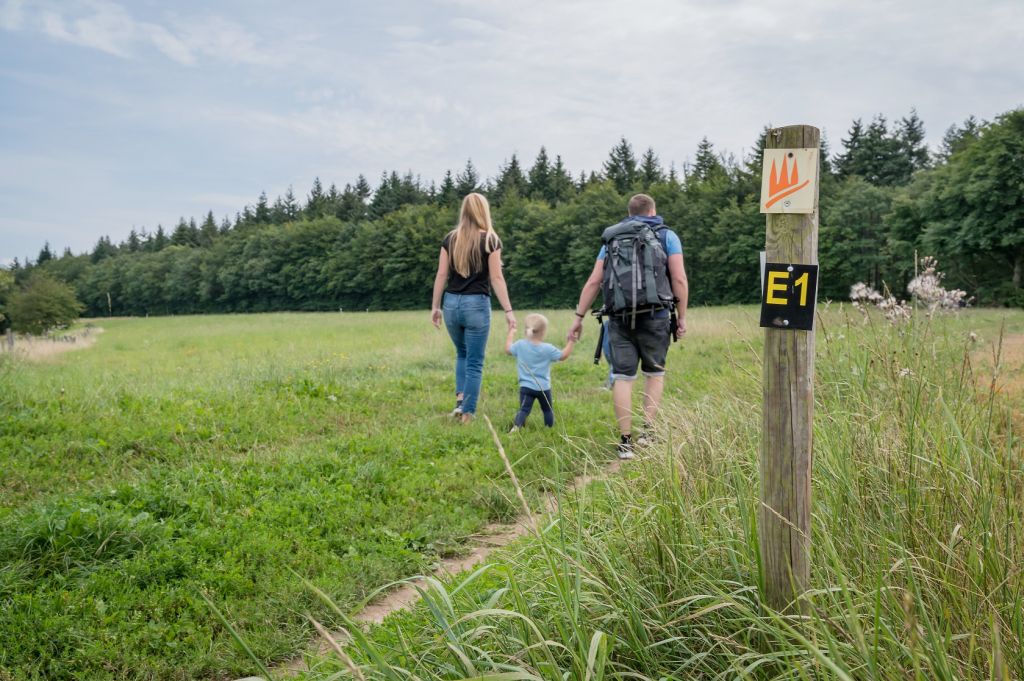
490,539
41,349
999,367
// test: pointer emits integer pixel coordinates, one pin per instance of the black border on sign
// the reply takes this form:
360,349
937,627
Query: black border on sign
769,314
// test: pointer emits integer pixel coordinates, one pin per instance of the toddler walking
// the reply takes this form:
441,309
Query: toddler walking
533,360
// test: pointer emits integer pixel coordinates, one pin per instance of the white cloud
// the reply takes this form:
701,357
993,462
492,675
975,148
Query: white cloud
107,26
169,44
230,42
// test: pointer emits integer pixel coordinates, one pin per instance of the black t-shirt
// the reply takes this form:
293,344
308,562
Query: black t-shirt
477,283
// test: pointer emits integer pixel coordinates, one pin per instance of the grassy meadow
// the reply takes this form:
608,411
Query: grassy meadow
183,456
236,456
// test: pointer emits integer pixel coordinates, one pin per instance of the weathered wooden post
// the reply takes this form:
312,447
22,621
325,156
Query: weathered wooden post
789,195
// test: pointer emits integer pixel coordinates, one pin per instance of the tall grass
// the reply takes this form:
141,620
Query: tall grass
918,493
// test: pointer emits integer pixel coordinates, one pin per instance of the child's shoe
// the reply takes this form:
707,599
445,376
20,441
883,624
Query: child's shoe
514,429
625,447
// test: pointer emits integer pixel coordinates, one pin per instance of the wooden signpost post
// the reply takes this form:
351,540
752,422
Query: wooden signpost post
789,195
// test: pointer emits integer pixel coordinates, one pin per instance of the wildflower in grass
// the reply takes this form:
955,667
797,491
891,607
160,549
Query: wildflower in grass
927,290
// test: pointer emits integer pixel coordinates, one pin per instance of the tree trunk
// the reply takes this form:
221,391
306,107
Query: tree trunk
1018,265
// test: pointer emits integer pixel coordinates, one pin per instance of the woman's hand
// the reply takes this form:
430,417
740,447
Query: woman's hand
435,317
510,319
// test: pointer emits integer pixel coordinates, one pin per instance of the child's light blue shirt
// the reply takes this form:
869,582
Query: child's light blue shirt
534,363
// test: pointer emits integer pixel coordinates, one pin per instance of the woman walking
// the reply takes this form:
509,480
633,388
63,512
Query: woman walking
468,269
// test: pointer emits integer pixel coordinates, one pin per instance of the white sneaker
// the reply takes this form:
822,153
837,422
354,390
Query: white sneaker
514,429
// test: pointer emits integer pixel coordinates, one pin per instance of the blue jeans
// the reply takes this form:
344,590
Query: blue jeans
468,320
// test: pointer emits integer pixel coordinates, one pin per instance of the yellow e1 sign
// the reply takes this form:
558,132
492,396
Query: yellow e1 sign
788,296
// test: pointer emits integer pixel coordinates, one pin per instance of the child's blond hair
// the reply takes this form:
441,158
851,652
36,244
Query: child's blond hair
536,326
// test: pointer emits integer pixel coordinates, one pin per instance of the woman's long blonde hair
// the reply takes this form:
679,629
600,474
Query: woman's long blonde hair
464,244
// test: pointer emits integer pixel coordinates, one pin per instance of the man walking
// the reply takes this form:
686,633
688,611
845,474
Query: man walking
640,272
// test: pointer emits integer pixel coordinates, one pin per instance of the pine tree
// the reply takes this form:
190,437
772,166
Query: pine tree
133,244
185,234
208,231
385,198
410,190
562,187
540,177
621,168
707,165
362,188
291,205
650,169
160,240
45,254
846,162
910,133
317,204
350,206
511,181
958,138
468,181
262,214
447,195
104,249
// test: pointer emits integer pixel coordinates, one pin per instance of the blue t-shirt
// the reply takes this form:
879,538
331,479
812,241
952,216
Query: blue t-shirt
673,245
534,363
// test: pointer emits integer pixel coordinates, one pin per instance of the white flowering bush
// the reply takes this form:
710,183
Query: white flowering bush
865,297
926,289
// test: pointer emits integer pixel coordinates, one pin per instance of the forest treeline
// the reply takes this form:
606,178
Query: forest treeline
884,196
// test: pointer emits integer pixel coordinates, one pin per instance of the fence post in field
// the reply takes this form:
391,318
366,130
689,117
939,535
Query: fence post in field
789,196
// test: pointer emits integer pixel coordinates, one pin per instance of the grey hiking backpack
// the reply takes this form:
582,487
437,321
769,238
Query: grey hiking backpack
635,268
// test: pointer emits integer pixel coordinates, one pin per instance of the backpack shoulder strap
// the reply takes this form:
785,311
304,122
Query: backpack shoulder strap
662,233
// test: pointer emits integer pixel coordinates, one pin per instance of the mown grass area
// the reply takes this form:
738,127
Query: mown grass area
213,455
918,538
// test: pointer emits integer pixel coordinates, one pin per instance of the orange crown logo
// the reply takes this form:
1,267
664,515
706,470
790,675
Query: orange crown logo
781,185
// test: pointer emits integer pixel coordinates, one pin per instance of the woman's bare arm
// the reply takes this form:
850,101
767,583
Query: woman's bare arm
499,286
439,282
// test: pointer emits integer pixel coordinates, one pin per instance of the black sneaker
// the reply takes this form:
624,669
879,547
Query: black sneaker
625,447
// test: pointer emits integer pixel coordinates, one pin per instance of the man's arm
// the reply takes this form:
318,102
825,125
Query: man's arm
680,288
587,297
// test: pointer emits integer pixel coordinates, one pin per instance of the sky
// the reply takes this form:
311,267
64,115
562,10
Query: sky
127,114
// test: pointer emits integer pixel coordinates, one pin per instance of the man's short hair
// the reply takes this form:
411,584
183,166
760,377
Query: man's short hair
641,204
